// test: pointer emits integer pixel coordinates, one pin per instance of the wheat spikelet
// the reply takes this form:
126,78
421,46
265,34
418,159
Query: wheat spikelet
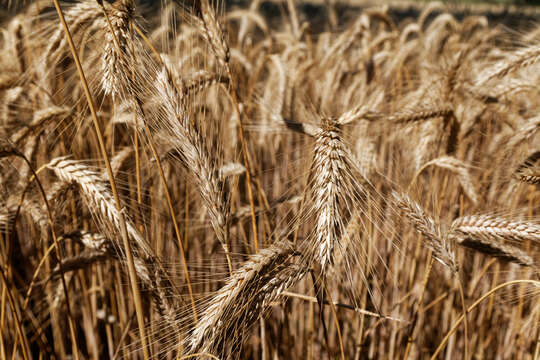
533,179
274,95
32,208
79,261
40,117
458,167
118,59
245,297
433,235
83,13
212,31
330,189
248,17
204,81
97,195
503,92
117,161
194,153
491,245
337,189
525,132
414,116
524,172
95,242
360,112
481,225
345,40
16,29
302,128
231,169
516,61
56,194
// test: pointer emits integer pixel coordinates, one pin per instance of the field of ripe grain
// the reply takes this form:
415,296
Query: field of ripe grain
186,179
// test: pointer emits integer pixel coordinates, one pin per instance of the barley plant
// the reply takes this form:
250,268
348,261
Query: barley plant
267,180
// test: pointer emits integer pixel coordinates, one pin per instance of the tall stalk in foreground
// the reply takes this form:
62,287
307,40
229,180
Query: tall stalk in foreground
119,208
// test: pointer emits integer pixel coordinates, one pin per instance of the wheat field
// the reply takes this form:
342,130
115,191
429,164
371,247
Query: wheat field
195,179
